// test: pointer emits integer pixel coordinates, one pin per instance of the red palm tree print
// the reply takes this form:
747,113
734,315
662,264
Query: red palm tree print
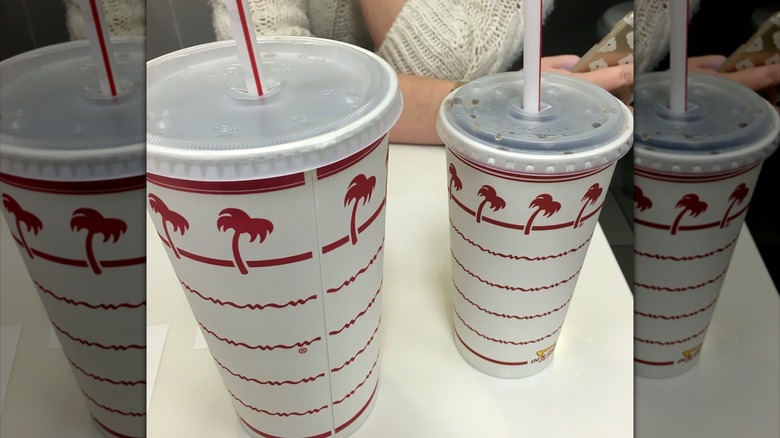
167,216
642,202
490,197
95,223
22,216
542,203
360,189
591,196
240,222
737,196
689,203
454,180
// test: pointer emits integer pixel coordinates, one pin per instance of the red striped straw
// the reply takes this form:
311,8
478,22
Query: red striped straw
244,33
532,55
678,55
97,33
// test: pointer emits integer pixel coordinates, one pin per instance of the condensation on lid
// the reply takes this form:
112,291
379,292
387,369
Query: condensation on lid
323,100
580,126
51,99
727,125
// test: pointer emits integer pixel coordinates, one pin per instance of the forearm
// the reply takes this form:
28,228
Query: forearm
422,98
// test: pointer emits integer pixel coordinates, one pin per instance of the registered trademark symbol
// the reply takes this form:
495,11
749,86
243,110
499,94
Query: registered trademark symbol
302,350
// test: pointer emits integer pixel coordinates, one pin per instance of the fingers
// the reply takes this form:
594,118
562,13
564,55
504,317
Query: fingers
558,62
706,62
610,78
756,78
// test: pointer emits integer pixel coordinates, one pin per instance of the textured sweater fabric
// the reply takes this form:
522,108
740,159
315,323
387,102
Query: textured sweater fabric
123,18
446,39
652,29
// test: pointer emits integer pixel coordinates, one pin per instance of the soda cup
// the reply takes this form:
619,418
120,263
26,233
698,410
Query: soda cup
271,209
72,182
694,175
526,189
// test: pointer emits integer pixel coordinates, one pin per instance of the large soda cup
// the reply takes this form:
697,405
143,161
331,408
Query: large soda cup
525,193
272,212
73,185
694,175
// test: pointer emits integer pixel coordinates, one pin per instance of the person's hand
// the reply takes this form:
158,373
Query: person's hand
618,80
756,78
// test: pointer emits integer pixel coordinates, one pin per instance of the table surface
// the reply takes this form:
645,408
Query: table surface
426,389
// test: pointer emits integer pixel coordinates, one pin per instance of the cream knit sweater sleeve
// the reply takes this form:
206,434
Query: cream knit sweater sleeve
123,18
270,17
456,40
652,32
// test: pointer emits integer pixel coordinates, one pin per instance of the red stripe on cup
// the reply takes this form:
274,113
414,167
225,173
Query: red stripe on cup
112,432
527,177
97,187
229,187
647,362
513,288
483,357
73,302
504,341
514,256
332,169
690,178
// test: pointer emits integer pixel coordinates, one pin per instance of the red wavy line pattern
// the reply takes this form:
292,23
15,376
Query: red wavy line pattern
359,273
516,257
269,382
260,347
513,288
112,410
504,315
680,341
298,302
113,432
361,351
685,258
502,341
104,379
679,289
363,312
673,317
96,344
86,304
279,414
351,393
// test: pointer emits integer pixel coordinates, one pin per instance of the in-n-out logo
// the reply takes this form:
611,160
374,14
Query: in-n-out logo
542,355
690,354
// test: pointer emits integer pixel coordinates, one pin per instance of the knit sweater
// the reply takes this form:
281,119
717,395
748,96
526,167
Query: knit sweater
123,18
455,40
652,30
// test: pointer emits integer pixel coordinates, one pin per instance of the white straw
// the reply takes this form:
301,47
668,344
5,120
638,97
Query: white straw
244,33
532,54
678,56
99,40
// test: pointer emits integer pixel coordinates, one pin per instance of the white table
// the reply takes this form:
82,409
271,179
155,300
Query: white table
426,389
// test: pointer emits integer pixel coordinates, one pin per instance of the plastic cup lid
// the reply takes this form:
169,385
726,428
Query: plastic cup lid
580,126
323,101
56,124
727,126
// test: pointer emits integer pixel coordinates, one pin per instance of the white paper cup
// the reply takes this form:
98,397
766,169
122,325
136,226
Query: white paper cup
694,175
73,184
274,222
525,194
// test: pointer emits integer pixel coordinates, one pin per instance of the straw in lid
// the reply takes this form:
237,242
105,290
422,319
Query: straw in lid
323,101
727,126
56,124
580,126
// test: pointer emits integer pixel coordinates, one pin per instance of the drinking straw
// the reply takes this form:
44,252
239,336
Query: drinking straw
678,56
97,33
244,33
532,54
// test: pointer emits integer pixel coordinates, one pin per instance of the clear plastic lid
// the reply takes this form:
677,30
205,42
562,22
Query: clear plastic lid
580,126
54,121
323,101
726,126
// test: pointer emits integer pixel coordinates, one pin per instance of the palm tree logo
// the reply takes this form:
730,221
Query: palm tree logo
95,223
22,216
642,201
241,223
689,203
737,196
542,203
591,196
167,215
360,189
454,180
490,197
